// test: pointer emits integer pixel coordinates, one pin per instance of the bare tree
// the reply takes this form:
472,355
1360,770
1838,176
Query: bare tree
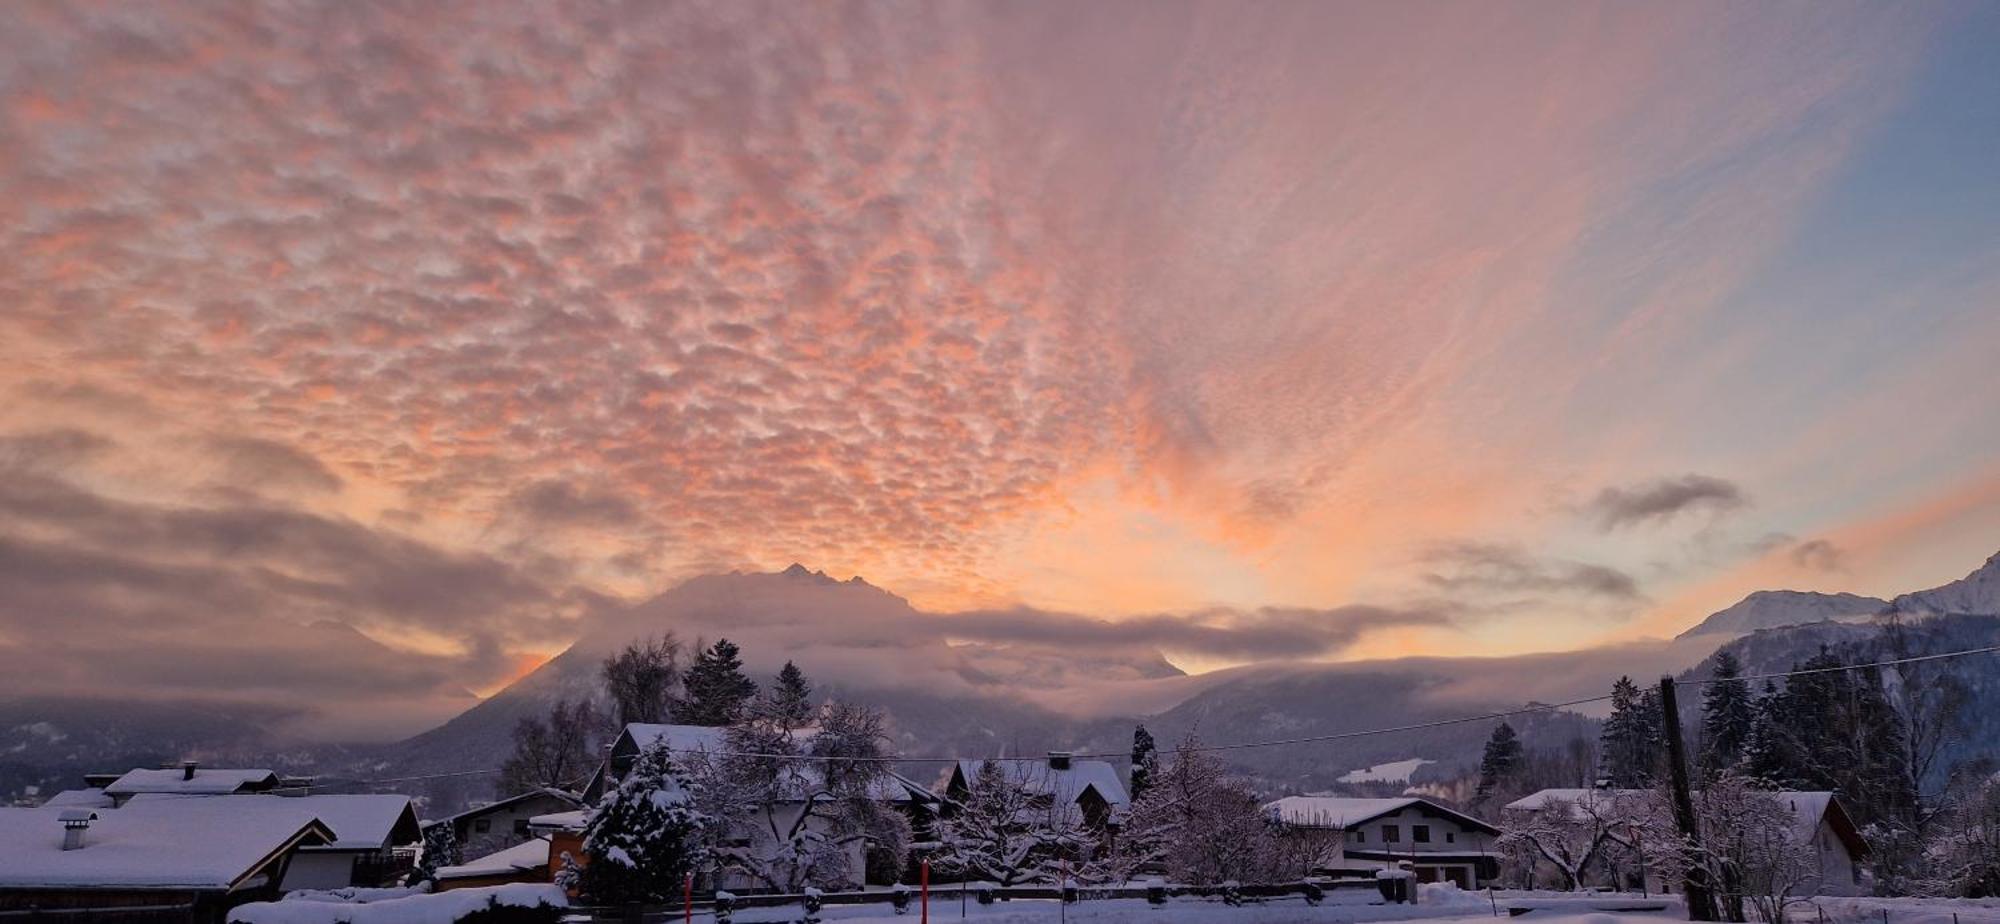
556,752
796,798
641,678
1569,835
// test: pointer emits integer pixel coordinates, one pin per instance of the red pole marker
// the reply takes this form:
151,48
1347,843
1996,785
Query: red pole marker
924,885
687,898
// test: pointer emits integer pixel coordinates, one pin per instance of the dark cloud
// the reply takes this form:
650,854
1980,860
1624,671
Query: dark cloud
561,503
100,596
1818,555
1259,634
250,463
1662,500
53,449
1490,569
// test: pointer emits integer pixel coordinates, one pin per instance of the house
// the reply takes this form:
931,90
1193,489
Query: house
1438,843
1821,824
184,859
496,825
636,737
1092,786
375,842
189,779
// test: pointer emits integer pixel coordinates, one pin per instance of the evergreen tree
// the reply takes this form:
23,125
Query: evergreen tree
644,838
1727,714
788,705
717,690
1831,728
440,850
1145,761
1502,760
1766,758
1631,742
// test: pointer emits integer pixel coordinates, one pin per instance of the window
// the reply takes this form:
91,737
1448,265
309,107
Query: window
1420,833
1360,836
1450,837
482,825
520,826
1391,834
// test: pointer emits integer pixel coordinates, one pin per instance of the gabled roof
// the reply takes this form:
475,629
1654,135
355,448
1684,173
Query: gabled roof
545,792
1344,812
1068,785
192,844
206,782
1810,809
364,821
680,738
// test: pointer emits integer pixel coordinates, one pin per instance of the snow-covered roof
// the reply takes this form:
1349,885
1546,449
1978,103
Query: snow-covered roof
208,782
363,821
198,844
85,798
531,854
679,738
1069,784
564,821
1346,812
1810,809
1576,802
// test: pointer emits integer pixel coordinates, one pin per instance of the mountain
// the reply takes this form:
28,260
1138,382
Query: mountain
854,640
1978,592
1769,609
48,743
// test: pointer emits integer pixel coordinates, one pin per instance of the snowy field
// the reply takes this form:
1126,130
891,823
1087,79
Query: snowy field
1441,904
1395,771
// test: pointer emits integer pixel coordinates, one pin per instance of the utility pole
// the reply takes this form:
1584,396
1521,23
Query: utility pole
1700,901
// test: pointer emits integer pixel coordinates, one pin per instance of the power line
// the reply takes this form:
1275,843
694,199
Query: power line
1845,667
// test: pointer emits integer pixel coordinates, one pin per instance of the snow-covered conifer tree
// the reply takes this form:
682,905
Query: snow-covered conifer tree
644,837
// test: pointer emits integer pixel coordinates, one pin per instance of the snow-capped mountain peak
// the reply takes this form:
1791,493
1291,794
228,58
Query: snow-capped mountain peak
1769,609
1978,592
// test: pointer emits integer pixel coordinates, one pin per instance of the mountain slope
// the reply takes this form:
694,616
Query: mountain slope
1978,592
1769,609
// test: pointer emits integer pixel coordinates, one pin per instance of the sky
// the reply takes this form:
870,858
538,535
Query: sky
359,352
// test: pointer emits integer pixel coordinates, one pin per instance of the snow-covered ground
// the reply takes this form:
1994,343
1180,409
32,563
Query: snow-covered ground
1395,771
409,908
1356,908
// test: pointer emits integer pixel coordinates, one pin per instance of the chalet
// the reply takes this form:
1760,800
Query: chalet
162,860
375,842
1820,820
496,825
1092,786
1438,843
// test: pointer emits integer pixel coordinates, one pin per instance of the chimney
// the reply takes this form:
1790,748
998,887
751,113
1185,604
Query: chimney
187,769
1059,760
75,822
